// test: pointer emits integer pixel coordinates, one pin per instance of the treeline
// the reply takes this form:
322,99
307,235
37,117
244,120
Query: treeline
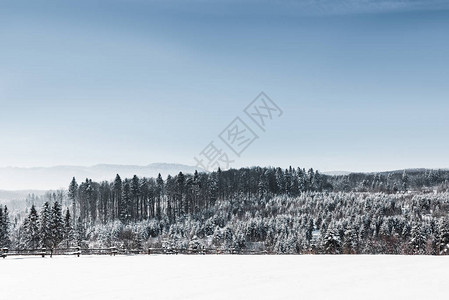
138,199
269,209
392,182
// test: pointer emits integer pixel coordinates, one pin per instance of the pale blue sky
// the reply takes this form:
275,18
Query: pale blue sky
363,84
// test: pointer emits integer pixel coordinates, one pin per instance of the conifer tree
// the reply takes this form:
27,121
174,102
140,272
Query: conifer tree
32,229
443,229
405,181
349,241
159,194
80,235
68,229
56,225
6,227
3,231
180,185
418,240
72,194
45,229
135,199
309,231
125,213
332,242
117,201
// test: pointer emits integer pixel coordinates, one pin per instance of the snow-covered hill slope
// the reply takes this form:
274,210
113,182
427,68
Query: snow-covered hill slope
225,277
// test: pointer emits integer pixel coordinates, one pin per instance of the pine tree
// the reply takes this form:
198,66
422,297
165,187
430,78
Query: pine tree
6,227
91,197
72,194
309,231
310,179
169,192
332,244
135,199
443,229
56,225
31,229
80,235
159,194
117,201
317,181
180,201
196,189
389,183
350,243
68,229
145,196
125,213
2,229
228,236
405,181
280,183
418,241
45,230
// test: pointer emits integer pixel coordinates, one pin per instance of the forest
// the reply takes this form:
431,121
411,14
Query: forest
279,211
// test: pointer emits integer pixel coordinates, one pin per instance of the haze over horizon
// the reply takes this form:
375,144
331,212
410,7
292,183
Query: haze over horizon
361,87
199,169
59,177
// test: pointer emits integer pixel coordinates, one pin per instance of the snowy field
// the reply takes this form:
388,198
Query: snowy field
224,277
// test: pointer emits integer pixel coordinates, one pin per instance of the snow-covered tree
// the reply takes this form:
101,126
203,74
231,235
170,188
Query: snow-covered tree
443,237
4,227
45,226
56,225
331,242
418,240
31,230
68,229
73,194
405,181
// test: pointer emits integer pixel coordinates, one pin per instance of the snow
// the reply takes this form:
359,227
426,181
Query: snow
224,277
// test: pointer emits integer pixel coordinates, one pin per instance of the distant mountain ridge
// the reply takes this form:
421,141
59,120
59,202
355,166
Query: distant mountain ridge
14,181
46,178
18,195
412,170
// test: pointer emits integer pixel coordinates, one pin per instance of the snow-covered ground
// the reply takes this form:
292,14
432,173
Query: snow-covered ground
224,277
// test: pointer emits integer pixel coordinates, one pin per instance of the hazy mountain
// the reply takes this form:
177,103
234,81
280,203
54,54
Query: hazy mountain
408,171
18,195
44,178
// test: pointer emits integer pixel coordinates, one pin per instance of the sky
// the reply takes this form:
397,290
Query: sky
362,85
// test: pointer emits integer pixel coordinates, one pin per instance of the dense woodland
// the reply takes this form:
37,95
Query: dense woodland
266,209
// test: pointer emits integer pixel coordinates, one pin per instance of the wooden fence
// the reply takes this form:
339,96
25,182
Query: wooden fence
44,252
